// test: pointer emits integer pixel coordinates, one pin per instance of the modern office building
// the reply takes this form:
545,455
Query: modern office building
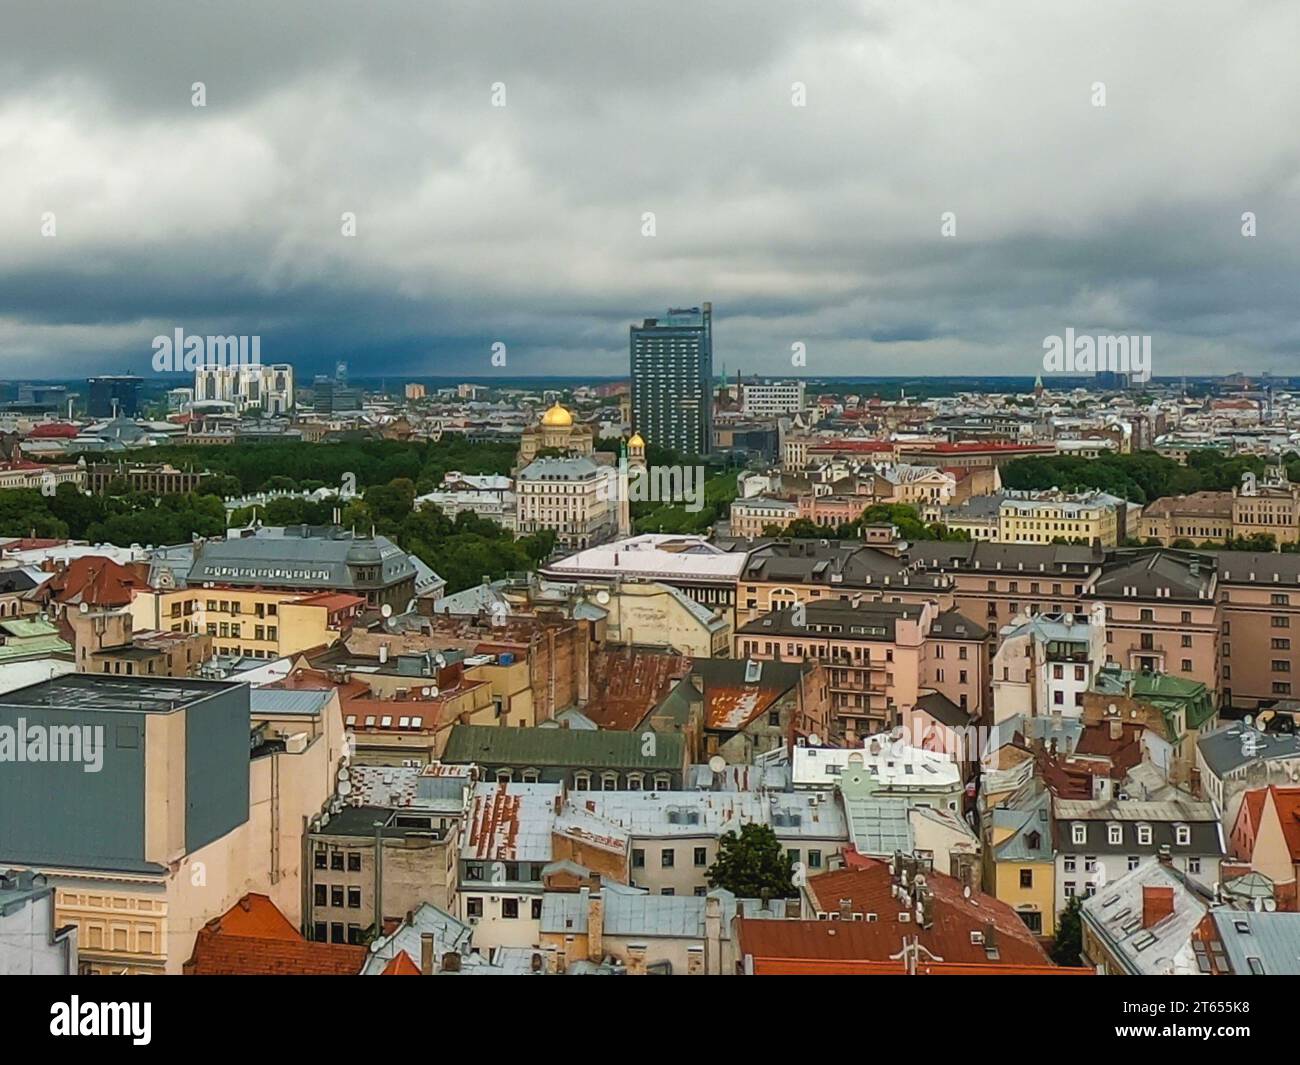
767,398
112,397
672,375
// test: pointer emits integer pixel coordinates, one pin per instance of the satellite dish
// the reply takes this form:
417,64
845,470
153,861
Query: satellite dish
1248,720
424,692
965,891
84,608
343,774
1270,905
344,788
814,740
717,763
386,610
602,597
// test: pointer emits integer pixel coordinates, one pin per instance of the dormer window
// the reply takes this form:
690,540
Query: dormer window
1114,834
1079,833
1183,835
1144,835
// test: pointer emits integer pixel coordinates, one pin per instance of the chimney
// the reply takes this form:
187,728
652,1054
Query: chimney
595,926
846,909
713,935
1116,728
1157,904
426,954
451,962
1164,855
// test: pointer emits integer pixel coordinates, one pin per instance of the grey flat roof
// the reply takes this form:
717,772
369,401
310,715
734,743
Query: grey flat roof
115,694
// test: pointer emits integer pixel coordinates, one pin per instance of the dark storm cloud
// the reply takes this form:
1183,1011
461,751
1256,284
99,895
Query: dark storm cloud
817,225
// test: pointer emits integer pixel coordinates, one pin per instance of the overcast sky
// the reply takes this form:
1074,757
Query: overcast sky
523,224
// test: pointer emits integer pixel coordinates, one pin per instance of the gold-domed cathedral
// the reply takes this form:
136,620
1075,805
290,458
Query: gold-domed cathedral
555,431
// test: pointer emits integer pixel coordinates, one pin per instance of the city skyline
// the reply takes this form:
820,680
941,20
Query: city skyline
885,187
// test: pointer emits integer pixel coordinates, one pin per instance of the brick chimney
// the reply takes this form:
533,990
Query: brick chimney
1157,904
1116,728
595,925
426,954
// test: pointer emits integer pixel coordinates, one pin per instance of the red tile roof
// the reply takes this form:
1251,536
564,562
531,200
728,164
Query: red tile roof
401,965
53,431
96,580
1287,802
869,889
253,938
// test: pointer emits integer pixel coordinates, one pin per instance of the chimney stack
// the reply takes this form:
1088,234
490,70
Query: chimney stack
1157,904
426,954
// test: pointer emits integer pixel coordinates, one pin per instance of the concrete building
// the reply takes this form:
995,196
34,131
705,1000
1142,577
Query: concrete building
767,399
672,379
143,850
31,943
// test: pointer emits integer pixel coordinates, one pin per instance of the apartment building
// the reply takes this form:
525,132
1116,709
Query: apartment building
1045,663
575,498
1198,518
880,657
1161,613
1100,840
785,572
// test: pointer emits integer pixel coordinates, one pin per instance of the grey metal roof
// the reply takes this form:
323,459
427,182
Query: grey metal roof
1226,750
652,916
448,933
1115,913
285,701
1260,944
288,558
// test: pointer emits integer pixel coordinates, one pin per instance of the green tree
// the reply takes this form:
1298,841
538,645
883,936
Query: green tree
753,863
1067,948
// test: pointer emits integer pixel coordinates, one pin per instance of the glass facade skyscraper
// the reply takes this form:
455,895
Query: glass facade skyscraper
672,379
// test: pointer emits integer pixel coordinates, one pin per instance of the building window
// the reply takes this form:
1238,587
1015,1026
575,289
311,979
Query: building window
1144,835
336,897
510,908
666,858
535,908
609,782
474,906
581,781
1194,865
1079,833
336,932
322,859
1133,862
321,893
336,861
1114,834
701,857
1033,921
638,858
354,898
354,863
1026,878
1183,835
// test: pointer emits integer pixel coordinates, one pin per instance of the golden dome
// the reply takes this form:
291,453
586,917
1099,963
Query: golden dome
635,441
557,418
